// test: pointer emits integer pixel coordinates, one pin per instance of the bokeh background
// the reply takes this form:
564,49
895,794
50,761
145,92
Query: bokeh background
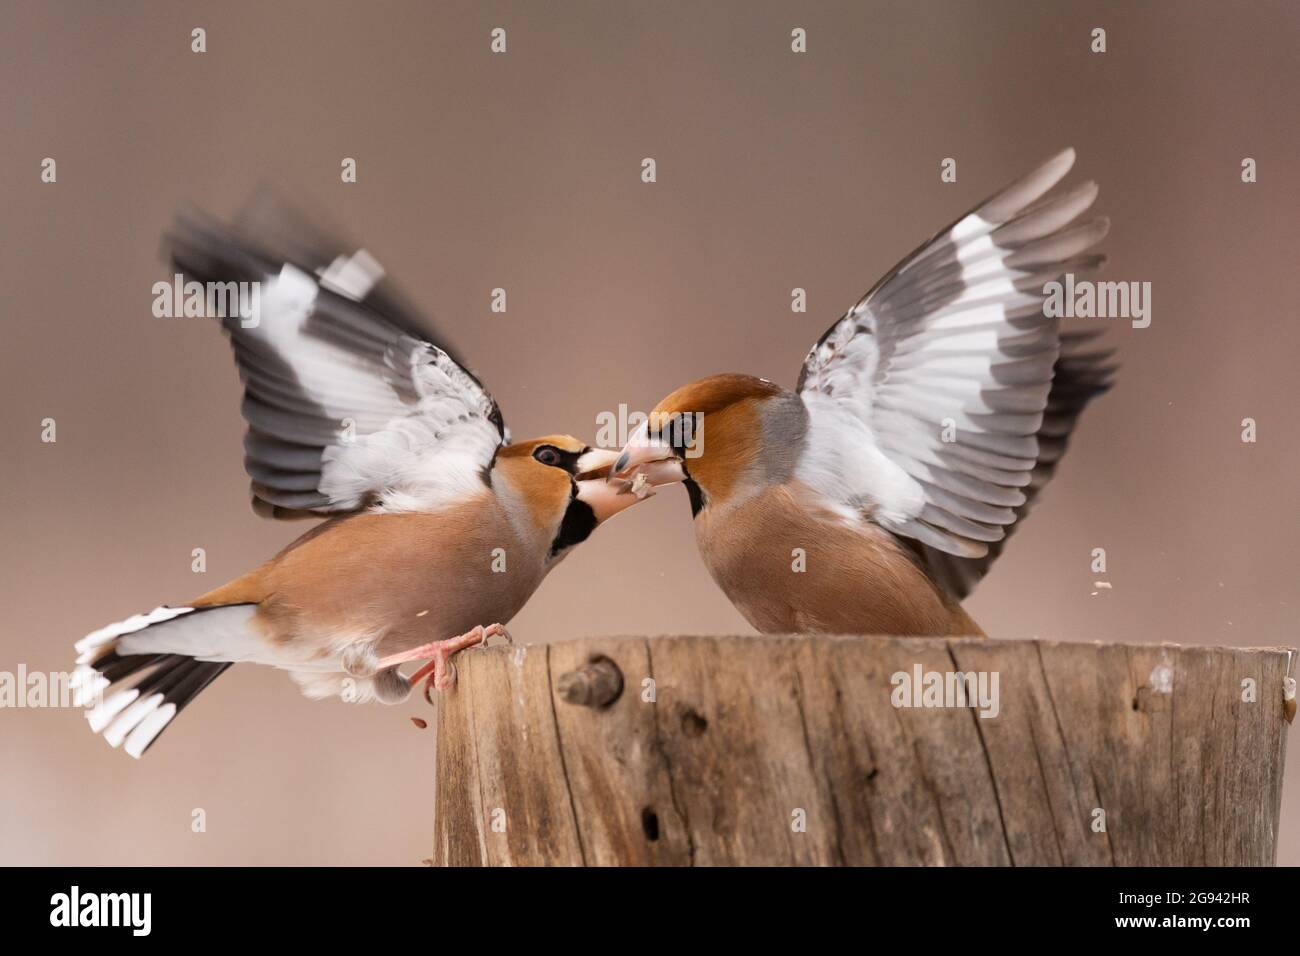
522,170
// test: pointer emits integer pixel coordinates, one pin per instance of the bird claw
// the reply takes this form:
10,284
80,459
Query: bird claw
440,671
495,630
430,683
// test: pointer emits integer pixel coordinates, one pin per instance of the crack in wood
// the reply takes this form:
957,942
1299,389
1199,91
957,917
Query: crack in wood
988,762
668,762
812,766
1060,733
478,780
564,767
1101,804
1047,795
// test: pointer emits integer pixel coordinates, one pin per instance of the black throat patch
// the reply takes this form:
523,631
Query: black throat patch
579,521
695,494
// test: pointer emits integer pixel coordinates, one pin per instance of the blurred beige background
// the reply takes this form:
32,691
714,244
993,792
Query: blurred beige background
775,170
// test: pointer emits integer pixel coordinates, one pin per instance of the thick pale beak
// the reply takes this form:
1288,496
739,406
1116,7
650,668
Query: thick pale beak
607,494
604,496
595,463
640,452
608,498
665,471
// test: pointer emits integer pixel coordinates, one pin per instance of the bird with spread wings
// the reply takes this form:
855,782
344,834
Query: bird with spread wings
924,424
437,527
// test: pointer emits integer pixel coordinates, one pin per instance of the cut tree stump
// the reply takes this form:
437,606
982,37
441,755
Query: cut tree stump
790,750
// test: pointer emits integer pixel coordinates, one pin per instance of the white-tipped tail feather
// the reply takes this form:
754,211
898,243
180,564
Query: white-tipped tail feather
88,646
159,662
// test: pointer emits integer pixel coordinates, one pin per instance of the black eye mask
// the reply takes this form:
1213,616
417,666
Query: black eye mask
568,460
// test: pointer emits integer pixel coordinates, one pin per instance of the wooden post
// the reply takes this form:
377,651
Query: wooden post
790,750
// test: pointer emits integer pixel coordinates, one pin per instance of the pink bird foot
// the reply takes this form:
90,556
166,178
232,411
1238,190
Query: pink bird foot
439,673
496,630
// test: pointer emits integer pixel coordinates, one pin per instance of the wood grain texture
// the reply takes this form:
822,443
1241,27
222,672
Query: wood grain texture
790,751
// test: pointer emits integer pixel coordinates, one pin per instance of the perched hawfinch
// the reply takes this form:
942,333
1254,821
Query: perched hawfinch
874,497
439,528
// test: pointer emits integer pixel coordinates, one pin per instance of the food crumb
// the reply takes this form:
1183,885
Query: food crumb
422,724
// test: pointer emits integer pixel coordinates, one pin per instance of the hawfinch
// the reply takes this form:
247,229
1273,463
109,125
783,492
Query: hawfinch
925,422
439,526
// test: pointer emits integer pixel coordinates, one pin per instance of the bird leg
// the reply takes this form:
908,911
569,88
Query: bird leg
439,669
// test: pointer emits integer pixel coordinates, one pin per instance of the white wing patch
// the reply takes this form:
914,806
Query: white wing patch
347,405
353,276
842,458
392,461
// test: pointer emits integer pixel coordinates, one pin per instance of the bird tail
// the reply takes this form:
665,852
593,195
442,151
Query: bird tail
155,664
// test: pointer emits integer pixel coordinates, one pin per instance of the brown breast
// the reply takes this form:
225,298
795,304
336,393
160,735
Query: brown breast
791,566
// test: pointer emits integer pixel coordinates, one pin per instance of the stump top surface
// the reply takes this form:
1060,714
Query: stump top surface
758,640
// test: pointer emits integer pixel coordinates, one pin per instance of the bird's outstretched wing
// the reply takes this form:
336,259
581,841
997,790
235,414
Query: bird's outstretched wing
349,400
1080,376
929,400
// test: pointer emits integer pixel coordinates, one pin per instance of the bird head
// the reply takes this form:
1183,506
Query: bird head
709,434
563,484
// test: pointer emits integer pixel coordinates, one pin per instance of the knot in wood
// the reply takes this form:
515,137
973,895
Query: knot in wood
595,684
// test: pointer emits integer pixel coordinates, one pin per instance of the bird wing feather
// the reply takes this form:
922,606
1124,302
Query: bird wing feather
927,399
349,399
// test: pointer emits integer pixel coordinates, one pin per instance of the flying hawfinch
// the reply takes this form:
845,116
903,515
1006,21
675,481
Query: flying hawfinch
439,526
874,497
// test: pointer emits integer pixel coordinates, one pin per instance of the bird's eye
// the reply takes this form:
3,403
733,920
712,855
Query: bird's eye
547,455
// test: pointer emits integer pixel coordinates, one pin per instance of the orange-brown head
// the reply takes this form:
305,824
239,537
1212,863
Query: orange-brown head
559,485
713,432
